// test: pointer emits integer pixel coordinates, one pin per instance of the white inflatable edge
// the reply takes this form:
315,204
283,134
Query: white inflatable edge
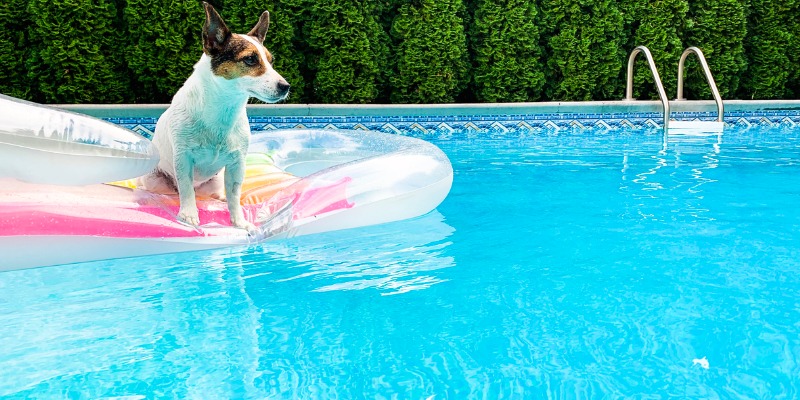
74,249
41,144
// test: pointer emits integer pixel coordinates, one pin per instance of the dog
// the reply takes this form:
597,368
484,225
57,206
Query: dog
205,129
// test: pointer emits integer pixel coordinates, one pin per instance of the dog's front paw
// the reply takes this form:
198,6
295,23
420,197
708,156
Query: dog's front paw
189,215
242,223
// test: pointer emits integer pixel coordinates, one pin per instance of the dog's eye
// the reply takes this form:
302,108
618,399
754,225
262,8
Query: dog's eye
250,60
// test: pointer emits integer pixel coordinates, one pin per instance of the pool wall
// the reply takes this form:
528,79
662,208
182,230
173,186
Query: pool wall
480,118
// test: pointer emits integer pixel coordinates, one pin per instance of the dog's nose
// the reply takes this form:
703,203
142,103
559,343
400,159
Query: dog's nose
283,87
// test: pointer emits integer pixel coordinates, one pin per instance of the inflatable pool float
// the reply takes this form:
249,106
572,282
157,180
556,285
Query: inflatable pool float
297,182
44,145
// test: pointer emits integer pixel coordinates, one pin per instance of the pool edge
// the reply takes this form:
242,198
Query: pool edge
455,109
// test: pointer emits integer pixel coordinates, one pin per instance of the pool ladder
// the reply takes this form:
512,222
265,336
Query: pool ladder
715,126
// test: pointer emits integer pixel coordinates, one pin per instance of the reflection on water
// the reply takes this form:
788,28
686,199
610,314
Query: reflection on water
680,168
127,328
393,258
185,325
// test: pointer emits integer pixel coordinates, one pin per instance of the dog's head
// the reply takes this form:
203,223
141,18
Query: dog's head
243,59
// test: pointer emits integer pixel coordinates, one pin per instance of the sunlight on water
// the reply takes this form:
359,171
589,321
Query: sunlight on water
571,265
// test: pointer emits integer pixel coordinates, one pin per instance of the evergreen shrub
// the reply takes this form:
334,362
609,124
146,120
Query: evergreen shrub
348,51
430,55
585,55
769,36
14,50
718,28
75,52
507,64
163,45
658,25
405,51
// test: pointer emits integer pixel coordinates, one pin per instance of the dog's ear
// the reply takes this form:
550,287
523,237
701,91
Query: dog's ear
215,32
260,30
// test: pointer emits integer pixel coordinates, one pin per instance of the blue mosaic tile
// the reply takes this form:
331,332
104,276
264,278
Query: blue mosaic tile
495,122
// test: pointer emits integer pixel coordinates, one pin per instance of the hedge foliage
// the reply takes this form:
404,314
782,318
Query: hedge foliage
507,64
348,49
14,50
773,30
75,55
162,46
584,49
431,63
659,26
405,51
719,28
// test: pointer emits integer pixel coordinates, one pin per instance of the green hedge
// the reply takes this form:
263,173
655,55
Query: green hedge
771,29
430,63
14,30
162,46
659,26
507,64
405,51
718,27
74,52
585,54
348,49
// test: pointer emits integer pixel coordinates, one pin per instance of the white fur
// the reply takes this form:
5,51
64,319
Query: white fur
204,131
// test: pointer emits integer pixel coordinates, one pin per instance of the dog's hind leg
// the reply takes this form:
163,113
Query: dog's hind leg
213,188
157,182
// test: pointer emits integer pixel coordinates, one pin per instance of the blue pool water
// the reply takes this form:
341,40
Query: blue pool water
569,265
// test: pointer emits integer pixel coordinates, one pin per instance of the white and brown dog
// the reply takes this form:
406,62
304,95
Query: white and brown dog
205,129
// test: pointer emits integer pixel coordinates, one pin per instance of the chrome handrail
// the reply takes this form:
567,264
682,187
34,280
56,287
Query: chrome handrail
661,93
709,78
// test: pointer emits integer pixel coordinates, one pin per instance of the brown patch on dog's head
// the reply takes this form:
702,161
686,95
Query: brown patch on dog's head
240,57
232,55
235,56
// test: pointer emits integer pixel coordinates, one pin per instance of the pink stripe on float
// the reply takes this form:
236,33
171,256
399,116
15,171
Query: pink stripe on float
320,200
143,222
150,218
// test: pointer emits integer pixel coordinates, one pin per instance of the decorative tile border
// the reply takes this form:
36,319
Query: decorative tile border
493,123
416,119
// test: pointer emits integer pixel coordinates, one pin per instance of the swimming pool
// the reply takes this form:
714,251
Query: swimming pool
570,264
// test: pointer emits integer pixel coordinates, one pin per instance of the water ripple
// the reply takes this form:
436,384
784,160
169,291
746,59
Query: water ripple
562,265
